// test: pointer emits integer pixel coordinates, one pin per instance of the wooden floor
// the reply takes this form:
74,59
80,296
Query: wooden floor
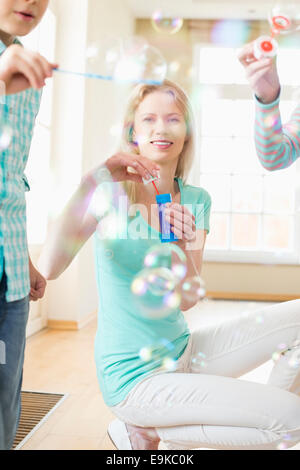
63,362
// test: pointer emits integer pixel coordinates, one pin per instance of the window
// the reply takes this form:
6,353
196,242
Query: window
38,168
255,213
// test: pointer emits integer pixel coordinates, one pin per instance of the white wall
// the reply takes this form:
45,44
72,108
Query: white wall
104,103
107,20
83,113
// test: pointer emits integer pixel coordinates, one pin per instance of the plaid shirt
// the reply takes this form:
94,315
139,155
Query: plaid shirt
19,111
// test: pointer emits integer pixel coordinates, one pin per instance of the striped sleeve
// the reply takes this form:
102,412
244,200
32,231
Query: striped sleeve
277,145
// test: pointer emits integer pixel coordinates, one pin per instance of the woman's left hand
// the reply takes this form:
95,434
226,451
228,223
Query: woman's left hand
182,221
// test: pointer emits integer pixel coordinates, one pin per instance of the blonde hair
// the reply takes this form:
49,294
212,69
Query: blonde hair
186,157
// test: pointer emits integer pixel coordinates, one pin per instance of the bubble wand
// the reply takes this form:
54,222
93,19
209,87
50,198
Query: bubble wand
109,78
157,192
283,20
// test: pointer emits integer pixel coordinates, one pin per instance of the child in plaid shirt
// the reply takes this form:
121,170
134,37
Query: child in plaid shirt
23,74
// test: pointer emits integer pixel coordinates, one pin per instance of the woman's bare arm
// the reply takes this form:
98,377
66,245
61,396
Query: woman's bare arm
75,225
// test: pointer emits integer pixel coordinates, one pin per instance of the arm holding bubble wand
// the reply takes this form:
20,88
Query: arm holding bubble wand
276,144
75,225
21,69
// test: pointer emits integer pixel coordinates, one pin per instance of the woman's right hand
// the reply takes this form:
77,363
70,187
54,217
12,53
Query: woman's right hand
262,74
142,167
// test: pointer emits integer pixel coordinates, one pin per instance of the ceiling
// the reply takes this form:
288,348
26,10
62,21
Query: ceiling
215,9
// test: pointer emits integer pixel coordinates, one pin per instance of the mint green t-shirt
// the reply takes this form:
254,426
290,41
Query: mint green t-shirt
122,331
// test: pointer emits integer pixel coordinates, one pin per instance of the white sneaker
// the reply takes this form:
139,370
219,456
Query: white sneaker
118,435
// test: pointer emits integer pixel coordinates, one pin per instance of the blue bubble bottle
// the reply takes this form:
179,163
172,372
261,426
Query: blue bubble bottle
166,234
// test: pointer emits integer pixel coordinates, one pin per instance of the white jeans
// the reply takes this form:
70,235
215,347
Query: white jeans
208,406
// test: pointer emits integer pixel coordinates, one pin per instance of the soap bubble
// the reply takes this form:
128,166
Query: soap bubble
145,354
282,446
140,62
169,256
131,59
139,285
180,69
134,45
286,438
172,300
284,18
282,347
153,292
276,356
199,360
5,135
169,364
231,33
102,57
164,24
259,319
160,281
174,66
193,289
271,120
161,353
294,360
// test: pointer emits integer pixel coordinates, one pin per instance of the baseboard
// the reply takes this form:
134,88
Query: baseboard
260,297
252,296
71,324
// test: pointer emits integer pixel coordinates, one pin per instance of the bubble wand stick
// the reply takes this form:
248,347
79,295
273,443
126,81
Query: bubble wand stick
283,20
109,78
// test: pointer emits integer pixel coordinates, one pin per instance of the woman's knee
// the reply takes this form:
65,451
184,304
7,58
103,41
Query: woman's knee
288,414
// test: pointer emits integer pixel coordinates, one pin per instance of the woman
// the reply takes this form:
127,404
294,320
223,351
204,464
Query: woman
191,406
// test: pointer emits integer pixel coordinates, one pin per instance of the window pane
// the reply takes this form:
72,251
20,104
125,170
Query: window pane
244,156
252,208
243,118
218,235
286,60
216,120
213,70
218,187
279,193
247,193
286,109
245,231
277,232
227,118
216,155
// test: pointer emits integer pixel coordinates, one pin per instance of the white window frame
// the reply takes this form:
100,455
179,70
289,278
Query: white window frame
243,91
